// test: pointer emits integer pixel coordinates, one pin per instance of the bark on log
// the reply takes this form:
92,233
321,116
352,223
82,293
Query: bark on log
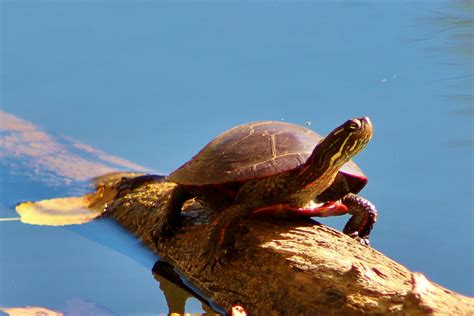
284,267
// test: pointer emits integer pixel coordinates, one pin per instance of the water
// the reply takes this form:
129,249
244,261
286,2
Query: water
153,82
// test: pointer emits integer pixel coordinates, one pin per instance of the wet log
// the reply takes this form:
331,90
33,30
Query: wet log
297,267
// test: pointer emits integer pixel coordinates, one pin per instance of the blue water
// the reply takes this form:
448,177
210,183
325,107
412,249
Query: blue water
153,82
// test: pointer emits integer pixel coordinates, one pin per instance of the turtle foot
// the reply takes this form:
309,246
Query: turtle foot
162,230
213,257
364,216
218,250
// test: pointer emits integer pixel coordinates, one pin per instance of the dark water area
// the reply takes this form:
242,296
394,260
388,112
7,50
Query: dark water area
153,82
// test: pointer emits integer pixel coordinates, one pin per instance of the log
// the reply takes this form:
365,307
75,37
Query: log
296,267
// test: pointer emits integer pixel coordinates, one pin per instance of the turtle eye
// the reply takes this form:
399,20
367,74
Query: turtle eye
354,124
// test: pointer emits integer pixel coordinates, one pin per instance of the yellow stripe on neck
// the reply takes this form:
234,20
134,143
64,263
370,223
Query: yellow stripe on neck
338,154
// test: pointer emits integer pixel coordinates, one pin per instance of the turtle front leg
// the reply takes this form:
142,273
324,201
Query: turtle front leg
364,216
169,215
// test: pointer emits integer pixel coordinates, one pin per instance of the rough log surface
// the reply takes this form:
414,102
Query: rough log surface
284,267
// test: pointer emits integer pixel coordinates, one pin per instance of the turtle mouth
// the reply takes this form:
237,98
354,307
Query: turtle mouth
365,121
367,126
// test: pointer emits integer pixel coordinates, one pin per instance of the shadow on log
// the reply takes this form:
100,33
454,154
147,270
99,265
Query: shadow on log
297,267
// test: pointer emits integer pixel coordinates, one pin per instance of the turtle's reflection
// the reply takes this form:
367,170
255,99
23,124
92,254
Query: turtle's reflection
176,291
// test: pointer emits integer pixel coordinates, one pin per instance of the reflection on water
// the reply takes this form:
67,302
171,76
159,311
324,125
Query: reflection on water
175,290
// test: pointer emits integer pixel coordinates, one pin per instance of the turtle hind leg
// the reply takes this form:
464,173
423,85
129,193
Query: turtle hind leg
169,215
222,233
364,216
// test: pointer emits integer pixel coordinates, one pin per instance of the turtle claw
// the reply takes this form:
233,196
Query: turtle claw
211,262
207,263
362,240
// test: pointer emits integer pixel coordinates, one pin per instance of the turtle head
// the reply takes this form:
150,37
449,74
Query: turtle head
337,148
345,141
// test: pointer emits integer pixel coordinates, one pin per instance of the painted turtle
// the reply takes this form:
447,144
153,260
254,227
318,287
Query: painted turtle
275,168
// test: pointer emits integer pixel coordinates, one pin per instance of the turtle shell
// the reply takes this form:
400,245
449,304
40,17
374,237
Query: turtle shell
256,150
